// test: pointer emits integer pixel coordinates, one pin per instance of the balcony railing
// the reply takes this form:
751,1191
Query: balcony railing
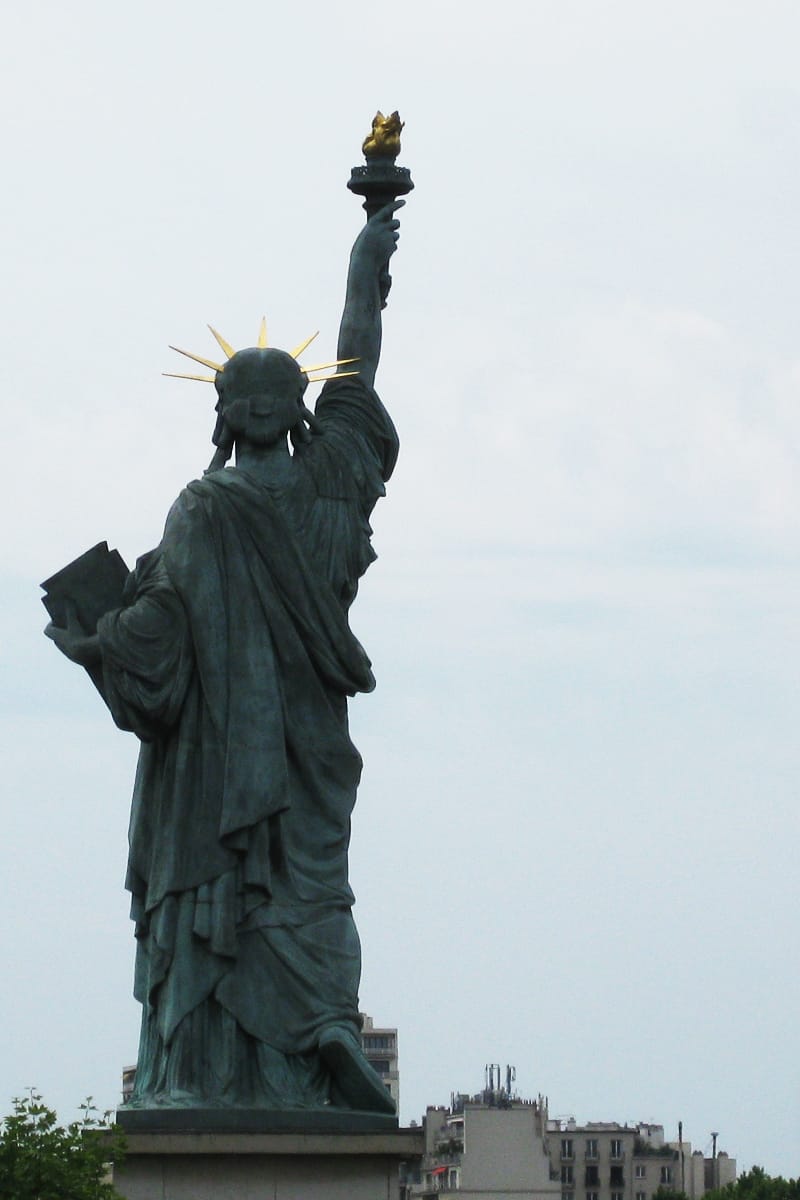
449,1153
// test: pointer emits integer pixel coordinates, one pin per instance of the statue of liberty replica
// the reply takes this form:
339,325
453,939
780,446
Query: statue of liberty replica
228,652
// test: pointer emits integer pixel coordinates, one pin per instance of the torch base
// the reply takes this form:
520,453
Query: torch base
379,182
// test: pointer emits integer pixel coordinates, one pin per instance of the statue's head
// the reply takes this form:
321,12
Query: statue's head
260,394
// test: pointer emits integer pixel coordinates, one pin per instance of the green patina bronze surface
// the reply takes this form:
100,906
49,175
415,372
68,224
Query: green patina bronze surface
230,655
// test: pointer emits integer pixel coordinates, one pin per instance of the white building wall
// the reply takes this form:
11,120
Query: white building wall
726,1169
504,1154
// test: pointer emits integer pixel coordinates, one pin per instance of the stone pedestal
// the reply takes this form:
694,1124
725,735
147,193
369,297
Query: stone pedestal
266,1166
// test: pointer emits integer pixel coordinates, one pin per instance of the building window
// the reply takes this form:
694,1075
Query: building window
567,1196
617,1177
616,1196
566,1147
566,1175
592,1176
591,1147
641,1196
616,1147
641,1172
592,1196
666,1174
380,1065
373,1041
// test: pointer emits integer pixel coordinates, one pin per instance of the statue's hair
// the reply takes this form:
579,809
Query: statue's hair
224,437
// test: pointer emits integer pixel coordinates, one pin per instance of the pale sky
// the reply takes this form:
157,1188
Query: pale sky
576,838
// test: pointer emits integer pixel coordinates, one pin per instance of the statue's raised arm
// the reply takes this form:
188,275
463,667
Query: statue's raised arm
367,288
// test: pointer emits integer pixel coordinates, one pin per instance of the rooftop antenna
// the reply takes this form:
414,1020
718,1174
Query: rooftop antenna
492,1081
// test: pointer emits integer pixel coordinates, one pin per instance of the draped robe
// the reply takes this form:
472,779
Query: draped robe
232,661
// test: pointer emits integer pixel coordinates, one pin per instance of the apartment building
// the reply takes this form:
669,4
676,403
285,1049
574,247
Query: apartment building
495,1144
484,1150
379,1044
604,1160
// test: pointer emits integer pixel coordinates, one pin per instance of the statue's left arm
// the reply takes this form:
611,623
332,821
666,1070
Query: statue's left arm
367,285
141,653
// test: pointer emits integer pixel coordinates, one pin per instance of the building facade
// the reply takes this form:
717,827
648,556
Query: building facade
380,1050
495,1144
485,1146
604,1160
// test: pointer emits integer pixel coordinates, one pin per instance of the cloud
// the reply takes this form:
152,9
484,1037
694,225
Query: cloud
637,428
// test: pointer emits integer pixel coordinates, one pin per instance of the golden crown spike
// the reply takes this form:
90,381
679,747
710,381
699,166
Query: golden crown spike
261,344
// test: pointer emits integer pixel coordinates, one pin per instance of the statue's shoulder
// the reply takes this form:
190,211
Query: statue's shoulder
199,493
202,498
189,513
356,422
183,505
188,539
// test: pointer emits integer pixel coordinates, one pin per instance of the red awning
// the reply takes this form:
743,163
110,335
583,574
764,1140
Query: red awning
438,1170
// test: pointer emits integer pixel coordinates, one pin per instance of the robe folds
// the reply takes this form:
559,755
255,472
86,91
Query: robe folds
232,660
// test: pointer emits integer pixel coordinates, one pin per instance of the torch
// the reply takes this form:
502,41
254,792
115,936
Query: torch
380,181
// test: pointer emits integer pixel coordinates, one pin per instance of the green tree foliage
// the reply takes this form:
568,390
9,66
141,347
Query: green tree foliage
42,1160
665,1193
758,1185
